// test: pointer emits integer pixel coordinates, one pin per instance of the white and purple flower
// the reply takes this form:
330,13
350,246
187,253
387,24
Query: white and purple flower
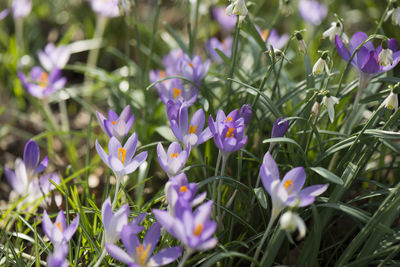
174,160
114,125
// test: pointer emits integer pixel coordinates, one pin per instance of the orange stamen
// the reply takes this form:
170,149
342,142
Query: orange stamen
192,129
289,185
174,155
183,189
121,154
191,64
229,119
60,227
114,122
177,92
198,229
141,253
229,133
43,79
264,35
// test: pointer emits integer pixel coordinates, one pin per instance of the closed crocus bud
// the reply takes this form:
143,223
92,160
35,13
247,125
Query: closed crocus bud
246,113
385,56
280,128
301,44
321,64
291,221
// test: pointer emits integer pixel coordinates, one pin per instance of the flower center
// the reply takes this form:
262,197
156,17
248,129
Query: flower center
192,129
43,80
114,122
289,185
264,35
162,74
191,65
121,154
177,92
198,229
174,155
229,133
228,119
183,189
59,226
141,253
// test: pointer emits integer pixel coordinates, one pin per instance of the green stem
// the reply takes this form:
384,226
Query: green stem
185,257
103,254
214,187
234,56
116,191
224,160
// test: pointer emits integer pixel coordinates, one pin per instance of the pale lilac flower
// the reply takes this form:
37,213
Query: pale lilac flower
225,46
114,125
193,68
54,57
194,229
120,158
173,109
174,160
312,11
227,22
273,38
57,258
288,191
139,254
113,222
171,61
4,13
41,84
21,8
105,8
190,134
279,128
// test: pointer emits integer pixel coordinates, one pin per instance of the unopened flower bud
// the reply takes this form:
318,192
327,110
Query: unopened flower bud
301,44
291,221
321,64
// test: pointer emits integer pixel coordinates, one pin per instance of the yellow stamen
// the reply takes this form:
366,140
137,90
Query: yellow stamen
121,154
229,133
183,189
198,229
174,155
60,227
191,64
114,122
142,253
289,185
192,129
228,119
43,80
177,92
264,35
162,74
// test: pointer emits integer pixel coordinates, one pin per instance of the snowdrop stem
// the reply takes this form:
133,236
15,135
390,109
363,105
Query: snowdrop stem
224,159
185,257
103,254
382,19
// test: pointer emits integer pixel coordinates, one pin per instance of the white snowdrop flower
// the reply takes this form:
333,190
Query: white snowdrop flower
320,65
394,13
291,221
237,7
391,102
336,28
385,56
329,102
301,44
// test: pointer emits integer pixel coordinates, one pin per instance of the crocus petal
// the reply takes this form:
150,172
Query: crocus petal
198,199
314,190
20,173
152,237
371,64
129,239
165,256
115,164
173,148
130,146
203,212
393,44
118,254
342,49
183,119
296,177
103,155
71,229
47,224
176,130
396,59
162,157
13,181
207,245
106,213
165,219
31,155
357,39
113,146
42,165
136,162
60,219
204,136
270,165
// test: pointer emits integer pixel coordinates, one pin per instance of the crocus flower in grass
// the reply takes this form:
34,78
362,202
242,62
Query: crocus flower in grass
227,22
312,11
114,125
41,84
174,160
120,158
193,68
190,133
279,128
273,38
194,229
58,232
171,61
113,222
21,8
105,8
179,189
54,57
228,132
246,113
140,254
288,191
224,45
57,258
366,59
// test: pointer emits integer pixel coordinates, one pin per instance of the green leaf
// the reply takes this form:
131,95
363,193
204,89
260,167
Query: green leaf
166,132
262,198
327,175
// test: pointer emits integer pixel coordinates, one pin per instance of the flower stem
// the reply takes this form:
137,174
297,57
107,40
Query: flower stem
214,189
234,56
185,257
116,192
224,159
103,254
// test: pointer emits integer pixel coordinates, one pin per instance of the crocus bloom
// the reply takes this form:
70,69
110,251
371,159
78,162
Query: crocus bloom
174,160
58,232
31,159
114,125
288,191
194,229
120,158
139,254
312,11
113,222
246,113
227,22
335,29
290,221
57,258
4,13
272,38
237,7
279,128
366,58
105,8
391,102
179,189
190,134
21,8
228,131
54,57
41,84
328,102
225,46
193,68
395,13
171,61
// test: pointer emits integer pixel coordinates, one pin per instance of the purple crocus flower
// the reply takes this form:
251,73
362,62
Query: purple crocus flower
41,84
226,22
190,134
4,13
366,58
225,46
279,128
54,57
114,125
120,158
171,61
139,254
105,8
113,222
179,189
288,191
246,113
193,68
312,11
58,232
31,159
174,160
273,38
194,229
21,8
57,258
228,131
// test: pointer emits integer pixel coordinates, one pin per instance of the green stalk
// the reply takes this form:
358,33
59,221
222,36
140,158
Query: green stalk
224,159
234,56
